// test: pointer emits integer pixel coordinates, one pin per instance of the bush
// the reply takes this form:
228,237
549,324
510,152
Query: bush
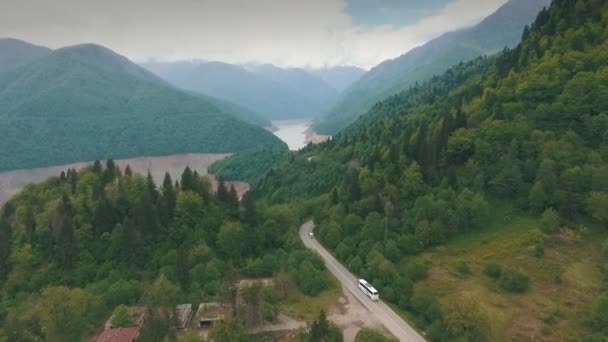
492,270
366,335
416,270
549,222
462,268
599,315
538,250
514,281
121,317
605,248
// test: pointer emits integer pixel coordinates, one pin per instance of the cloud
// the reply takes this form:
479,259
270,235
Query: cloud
284,32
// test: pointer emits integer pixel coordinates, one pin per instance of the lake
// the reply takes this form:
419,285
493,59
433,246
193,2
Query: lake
292,132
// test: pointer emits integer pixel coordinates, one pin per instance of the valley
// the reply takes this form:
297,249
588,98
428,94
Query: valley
416,171
297,133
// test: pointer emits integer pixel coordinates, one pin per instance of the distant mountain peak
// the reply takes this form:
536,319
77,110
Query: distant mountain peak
15,53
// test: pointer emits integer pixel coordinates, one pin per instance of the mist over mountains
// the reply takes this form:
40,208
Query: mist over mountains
276,93
501,29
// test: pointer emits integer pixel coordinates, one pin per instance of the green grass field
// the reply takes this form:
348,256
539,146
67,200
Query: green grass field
563,283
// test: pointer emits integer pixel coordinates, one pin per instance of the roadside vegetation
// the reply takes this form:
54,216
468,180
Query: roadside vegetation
372,336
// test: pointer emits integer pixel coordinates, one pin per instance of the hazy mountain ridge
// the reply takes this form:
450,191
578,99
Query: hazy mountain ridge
275,93
15,53
306,84
338,77
76,93
501,29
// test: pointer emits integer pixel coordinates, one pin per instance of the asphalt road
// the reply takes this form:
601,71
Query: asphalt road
391,321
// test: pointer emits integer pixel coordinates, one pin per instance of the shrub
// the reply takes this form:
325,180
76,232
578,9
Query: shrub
462,268
492,270
599,315
121,317
416,270
605,248
514,281
538,250
549,222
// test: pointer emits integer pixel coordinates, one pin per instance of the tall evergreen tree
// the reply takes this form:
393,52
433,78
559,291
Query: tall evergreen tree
187,181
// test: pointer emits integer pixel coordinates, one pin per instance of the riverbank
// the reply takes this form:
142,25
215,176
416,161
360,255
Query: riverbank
297,133
11,182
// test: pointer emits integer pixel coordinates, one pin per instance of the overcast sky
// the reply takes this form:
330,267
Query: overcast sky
282,32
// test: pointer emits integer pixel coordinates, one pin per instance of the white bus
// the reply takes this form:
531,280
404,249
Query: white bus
369,290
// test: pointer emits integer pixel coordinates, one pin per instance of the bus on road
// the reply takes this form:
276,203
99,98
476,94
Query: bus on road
369,290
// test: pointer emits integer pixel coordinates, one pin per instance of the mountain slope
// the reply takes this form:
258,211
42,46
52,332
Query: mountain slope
340,77
14,53
233,83
503,28
314,89
86,102
472,200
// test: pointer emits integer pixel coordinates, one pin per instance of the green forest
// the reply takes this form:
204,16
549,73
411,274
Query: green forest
85,103
87,242
476,203
519,137
502,28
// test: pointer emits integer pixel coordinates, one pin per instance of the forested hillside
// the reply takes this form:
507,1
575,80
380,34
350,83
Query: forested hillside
86,102
477,201
79,245
501,29
15,53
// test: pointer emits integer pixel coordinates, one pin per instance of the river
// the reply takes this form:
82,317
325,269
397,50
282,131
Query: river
292,132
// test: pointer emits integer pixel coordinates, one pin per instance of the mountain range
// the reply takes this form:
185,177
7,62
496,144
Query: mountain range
86,102
275,93
499,30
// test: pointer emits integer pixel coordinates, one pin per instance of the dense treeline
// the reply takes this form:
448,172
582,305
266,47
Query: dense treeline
248,166
89,241
528,128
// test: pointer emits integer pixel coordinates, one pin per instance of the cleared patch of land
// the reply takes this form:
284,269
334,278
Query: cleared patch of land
564,281
13,181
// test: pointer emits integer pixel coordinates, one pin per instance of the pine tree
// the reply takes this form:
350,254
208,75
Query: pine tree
104,218
128,171
97,168
233,200
182,267
66,241
29,224
249,214
187,179
151,187
111,172
167,206
6,235
222,192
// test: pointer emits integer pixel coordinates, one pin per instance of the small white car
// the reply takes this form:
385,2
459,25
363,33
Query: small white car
311,235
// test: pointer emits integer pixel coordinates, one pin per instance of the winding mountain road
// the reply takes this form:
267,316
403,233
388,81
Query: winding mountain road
391,321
